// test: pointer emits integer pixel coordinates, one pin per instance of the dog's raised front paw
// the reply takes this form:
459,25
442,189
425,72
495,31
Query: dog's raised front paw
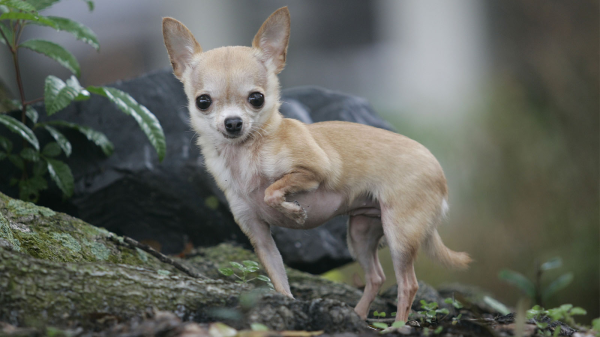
294,211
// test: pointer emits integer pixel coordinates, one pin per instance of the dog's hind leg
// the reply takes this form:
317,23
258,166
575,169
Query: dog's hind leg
405,229
364,234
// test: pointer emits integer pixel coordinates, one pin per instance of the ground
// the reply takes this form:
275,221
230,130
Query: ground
62,276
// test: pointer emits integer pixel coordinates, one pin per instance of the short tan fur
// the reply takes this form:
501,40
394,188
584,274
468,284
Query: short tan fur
276,171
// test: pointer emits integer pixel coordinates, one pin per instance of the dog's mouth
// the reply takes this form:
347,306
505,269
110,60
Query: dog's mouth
228,136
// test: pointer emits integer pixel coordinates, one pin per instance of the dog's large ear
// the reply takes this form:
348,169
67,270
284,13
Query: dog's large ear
272,39
181,45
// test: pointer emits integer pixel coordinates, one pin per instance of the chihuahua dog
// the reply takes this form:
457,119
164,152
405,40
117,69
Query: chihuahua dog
276,171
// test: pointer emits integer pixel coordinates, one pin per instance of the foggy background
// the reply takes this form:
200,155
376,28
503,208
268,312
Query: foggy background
504,93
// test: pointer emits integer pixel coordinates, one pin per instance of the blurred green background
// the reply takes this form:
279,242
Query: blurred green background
504,93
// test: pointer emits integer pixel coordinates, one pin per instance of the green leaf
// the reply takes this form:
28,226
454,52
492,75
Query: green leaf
55,52
535,312
20,128
557,285
33,18
380,325
552,264
42,4
249,263
17,161
236,265
6,144
263,278
18,4
578,311
51,150
454,303
252,269
60,139
226,271
32,114
8,33
30,154
499,307
58,94
442,311
438,330
92,135
84,95
14,104
146,120
398,324
596,325
258,327
40,168
62,176
4,9
80,31
29,189
519,281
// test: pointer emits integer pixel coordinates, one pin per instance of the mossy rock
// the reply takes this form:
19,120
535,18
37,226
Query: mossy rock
44,234
304,286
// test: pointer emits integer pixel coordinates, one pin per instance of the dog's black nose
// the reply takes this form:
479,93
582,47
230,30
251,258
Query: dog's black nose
233,125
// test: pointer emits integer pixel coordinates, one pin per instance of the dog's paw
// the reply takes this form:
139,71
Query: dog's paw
275,199
294,211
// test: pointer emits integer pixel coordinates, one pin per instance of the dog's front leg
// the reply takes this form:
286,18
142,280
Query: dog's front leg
260,236
298,181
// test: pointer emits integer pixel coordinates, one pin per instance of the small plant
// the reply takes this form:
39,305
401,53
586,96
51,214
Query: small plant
533,289
596,326
457,305
247,268
430,311
379,314
33,160
384,326
454,303
563,313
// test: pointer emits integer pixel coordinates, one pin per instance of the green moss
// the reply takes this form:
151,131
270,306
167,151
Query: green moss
163,272
67,241
22,208
142,255
44,234
211,202
7,234
98,250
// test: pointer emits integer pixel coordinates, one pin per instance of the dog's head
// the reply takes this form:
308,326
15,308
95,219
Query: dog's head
232,91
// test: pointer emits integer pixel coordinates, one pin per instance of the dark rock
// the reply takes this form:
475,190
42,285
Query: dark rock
131,193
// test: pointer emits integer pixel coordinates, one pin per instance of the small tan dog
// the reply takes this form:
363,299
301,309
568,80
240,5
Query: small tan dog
280,172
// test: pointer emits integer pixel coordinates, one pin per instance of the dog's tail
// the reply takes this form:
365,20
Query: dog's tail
436,249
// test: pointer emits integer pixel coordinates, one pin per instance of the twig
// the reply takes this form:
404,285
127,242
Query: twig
39,99
162,257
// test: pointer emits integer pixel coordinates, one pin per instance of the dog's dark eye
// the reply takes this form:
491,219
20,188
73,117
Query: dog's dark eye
203,102
256,99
